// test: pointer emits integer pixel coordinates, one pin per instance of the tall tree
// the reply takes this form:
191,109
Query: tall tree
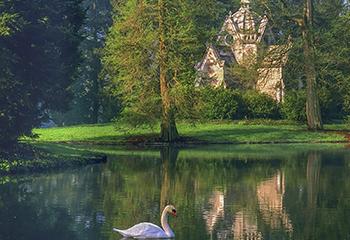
313,112
38,63
332,57
89,104
150,57
297,16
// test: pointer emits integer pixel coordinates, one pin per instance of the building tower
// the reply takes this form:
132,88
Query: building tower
238,42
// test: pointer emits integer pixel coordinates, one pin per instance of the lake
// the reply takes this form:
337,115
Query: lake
220,192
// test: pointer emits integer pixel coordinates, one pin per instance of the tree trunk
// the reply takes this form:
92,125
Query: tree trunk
169,131
313,111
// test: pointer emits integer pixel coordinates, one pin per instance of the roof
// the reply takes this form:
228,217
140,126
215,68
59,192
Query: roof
217,56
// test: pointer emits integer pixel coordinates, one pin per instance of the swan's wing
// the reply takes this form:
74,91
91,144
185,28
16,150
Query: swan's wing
143,230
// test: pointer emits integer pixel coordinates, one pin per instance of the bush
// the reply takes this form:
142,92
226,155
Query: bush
220,104
347,120
346,103
331,104
260,105
294,106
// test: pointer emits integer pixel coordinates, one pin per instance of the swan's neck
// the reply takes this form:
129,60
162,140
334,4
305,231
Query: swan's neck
165,224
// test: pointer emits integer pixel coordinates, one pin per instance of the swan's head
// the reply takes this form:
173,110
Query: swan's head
171,210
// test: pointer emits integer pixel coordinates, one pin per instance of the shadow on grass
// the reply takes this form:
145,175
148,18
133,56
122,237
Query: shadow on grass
218,134
270,134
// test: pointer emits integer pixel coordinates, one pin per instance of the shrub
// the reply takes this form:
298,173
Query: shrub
220,104
347,120
294,106
260,105
346,102
331,104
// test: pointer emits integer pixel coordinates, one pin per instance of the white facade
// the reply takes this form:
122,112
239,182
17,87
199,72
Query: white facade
238,42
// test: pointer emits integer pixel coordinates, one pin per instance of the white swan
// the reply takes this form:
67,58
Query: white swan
149,230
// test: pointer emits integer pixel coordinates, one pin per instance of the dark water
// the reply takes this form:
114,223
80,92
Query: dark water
242,192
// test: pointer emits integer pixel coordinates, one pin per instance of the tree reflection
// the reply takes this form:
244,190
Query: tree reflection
168,157
218,197
313,180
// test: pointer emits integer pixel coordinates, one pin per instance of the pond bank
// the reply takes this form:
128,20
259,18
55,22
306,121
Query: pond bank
29,159
213,133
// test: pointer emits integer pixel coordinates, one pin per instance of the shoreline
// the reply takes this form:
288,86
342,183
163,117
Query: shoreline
183,144
30,158
27,159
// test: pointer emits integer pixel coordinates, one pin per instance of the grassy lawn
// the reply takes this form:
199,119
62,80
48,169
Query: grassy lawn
221,132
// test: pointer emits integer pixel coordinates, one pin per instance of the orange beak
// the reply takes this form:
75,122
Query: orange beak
174,214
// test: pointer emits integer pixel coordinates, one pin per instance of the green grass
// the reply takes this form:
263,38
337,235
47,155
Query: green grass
220,132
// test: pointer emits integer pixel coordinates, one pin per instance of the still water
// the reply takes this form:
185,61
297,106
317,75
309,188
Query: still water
221,192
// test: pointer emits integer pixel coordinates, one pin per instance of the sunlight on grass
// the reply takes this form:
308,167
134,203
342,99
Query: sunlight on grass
221,132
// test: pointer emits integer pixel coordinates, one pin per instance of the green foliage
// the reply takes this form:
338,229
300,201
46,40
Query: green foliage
347,119
186,98
232,104
330,31
331,106
220,104
346,104
38,62
8,23
334,68
91,103
259,105
127,58
293,107
132,58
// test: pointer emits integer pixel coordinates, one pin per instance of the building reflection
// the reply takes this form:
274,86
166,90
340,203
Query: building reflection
270,194
245,226
269,210
215,211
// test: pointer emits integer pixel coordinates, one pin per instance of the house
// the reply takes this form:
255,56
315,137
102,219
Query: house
243,41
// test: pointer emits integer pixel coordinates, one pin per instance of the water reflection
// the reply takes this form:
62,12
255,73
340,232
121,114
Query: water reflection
220,194
215,212
270,194
245,226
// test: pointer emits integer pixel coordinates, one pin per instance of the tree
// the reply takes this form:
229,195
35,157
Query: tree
168,126
313,112
38,62
332,57
149,56
297,16
90,104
